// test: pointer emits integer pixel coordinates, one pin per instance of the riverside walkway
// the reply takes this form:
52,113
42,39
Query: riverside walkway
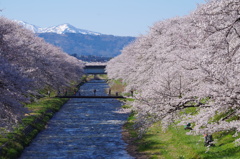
84,128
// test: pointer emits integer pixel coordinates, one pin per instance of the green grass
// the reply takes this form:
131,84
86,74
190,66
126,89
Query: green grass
129,126
45,103
126,99
190,111
227,115
175,144
126,106
102,76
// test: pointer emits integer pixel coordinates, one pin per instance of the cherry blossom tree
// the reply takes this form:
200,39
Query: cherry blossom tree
182,61
218,22
13,88
29,64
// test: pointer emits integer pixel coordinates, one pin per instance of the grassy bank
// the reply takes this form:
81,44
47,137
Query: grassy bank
175,144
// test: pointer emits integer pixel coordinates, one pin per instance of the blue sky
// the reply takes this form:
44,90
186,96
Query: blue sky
115,17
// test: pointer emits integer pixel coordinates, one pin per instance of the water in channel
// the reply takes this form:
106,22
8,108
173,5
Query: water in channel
83,129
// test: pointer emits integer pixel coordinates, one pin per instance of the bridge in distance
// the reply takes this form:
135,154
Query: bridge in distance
95,69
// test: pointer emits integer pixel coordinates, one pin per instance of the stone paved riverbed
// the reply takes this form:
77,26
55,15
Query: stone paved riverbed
83,129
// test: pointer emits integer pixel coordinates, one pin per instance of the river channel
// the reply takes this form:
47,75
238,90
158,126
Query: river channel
84,128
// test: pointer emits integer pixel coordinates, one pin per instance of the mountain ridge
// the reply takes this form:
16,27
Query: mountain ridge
58,29
88,45
83,44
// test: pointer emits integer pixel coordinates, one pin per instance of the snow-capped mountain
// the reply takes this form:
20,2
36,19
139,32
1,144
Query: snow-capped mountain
65,28
31,27
59,29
